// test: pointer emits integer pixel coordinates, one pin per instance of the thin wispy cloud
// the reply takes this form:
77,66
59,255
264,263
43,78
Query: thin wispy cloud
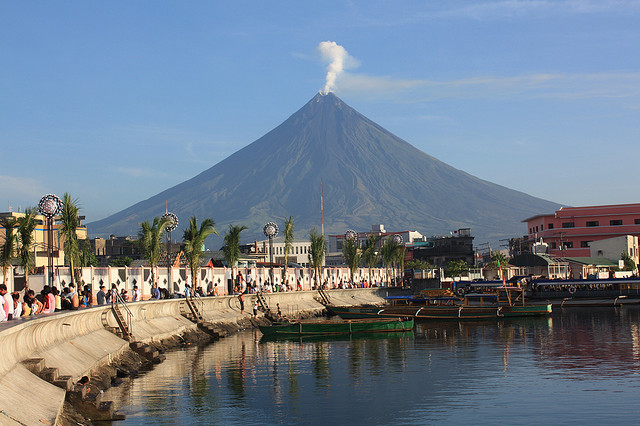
543,85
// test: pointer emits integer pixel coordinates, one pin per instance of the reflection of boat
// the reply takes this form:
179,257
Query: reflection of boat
311,328
505,302
335,337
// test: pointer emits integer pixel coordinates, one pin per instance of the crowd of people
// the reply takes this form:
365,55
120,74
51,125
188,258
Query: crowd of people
50,299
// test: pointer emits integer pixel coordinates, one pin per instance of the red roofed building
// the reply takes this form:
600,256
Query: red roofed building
569,230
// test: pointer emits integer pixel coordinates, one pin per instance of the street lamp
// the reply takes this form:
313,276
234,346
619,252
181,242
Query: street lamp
172,223
270,231
50,206
397,238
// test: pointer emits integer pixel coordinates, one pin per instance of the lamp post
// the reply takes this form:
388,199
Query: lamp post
270,231
172,220
50,206
397,238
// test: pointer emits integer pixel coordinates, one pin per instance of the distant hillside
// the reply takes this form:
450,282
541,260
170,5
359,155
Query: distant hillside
369,175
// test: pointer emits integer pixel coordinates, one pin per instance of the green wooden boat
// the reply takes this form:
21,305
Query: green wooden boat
311,328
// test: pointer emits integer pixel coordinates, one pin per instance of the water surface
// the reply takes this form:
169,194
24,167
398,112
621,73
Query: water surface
578,366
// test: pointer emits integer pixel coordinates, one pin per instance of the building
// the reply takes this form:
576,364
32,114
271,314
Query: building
334,242
612,248
438,251
570,231
41,242
298,253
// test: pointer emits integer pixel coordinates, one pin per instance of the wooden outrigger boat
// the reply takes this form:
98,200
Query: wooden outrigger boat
311,328
505,302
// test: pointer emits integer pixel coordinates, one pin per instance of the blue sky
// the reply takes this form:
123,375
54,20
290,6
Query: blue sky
114,102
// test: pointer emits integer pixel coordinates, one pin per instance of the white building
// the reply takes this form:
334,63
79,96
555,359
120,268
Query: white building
298,253
612,248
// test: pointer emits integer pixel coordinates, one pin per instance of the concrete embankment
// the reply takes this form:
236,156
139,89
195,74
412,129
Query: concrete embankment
75,343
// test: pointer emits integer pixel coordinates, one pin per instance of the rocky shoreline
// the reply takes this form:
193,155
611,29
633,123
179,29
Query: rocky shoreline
82,404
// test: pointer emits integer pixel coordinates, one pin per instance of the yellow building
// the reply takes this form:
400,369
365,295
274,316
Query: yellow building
41,239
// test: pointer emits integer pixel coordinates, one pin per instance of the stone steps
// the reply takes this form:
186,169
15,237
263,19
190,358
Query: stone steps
85,398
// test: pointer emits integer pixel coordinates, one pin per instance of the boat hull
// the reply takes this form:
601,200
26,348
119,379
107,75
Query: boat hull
443,312
317,328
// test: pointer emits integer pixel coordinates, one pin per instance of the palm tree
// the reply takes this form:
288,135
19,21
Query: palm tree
389,254
288,242
7,252
26,226
231,247
352,255
370,253
70,222
316,252
193,239
151,242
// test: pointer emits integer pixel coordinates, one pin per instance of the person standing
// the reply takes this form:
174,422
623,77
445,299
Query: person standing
136,294
7,302
241,299
101,295
255,308
239,283
249,282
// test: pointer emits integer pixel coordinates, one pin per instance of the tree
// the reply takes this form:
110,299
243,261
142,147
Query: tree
352,255
419,264
87,257
194,239
370,253
68,231
316,253
455,268
629,264
26,226
8,249
231,247
120,261
400,259
390,253
151,242
288,242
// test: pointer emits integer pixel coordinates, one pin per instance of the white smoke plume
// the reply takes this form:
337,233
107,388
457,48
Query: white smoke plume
338,59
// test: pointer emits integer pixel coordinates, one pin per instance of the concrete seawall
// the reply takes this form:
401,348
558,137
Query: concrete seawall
77,342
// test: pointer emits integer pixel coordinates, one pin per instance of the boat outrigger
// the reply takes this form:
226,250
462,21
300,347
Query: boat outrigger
504,302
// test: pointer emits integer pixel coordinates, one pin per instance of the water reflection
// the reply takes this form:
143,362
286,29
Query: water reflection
570,364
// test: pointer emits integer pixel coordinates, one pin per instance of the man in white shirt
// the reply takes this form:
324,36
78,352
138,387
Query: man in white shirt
136,294
7,303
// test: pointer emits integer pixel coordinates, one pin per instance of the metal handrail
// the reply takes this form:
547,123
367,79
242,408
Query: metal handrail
195,310
119,301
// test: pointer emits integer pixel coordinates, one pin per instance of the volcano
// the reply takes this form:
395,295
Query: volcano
369,175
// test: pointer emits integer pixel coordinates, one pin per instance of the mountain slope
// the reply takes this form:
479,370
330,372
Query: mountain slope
369,176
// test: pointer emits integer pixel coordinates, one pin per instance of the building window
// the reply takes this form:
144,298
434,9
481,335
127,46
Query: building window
536,229
637,222
550,226
615,222
553,245
568,225
593,223
542,227
568,244
584,243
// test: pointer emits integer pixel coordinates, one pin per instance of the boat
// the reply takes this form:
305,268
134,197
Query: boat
315,328
590,291
504,302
